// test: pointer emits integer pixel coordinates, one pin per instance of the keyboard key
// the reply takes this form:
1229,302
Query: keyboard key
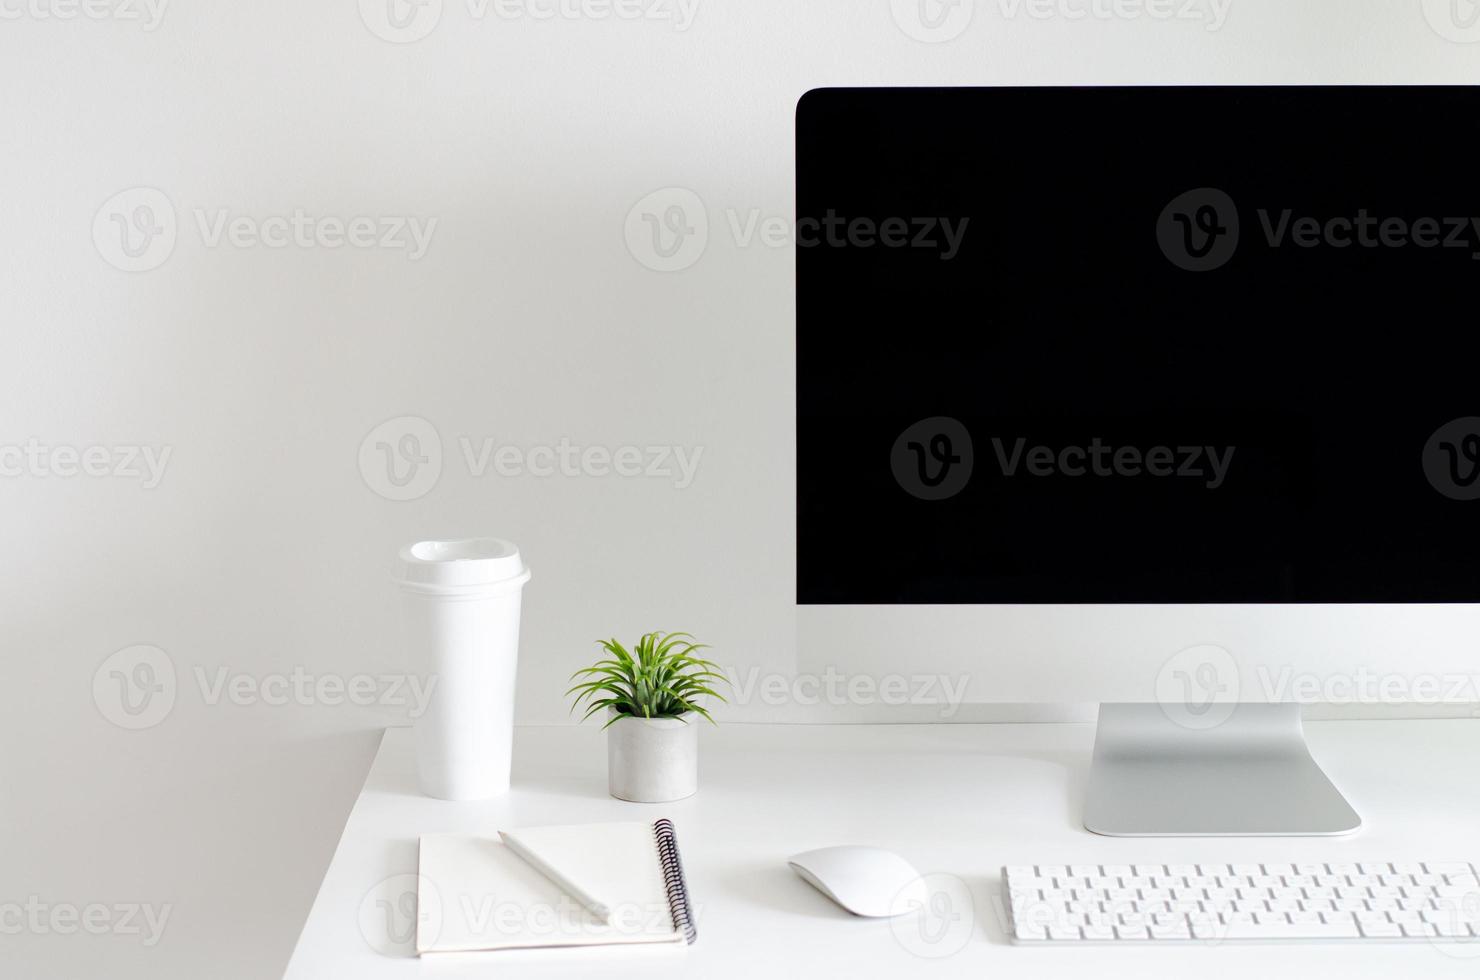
1307,901
1381,930
1454,929
1177,930
1235,931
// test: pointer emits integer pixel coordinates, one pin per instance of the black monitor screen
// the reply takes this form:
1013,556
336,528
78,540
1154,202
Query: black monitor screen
1138,345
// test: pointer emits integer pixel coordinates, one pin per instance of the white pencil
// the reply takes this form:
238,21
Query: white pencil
589,903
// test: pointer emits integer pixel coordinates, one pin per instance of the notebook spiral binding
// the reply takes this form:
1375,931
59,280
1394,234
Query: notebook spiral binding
673,879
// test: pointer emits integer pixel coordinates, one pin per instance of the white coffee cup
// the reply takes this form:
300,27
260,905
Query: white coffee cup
460,603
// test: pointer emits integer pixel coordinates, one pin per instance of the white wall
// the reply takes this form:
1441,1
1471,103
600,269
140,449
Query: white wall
263,550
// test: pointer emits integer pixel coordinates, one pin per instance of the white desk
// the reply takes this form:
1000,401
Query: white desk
962,800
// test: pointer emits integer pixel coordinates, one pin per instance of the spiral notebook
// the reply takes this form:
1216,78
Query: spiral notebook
477,893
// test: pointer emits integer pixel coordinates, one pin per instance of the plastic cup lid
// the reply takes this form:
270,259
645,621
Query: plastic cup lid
468,565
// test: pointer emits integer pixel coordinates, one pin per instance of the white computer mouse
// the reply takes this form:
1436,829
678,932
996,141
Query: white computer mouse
864,880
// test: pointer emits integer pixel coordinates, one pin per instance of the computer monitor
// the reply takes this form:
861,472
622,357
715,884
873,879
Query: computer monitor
1162,398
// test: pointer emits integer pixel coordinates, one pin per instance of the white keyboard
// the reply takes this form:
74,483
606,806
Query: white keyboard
1213,903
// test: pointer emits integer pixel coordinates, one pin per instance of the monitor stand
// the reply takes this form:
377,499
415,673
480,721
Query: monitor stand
1156,773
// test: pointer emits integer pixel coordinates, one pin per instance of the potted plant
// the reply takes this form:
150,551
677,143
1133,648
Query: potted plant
650,696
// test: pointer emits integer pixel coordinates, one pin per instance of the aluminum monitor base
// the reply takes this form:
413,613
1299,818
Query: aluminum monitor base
1185,771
